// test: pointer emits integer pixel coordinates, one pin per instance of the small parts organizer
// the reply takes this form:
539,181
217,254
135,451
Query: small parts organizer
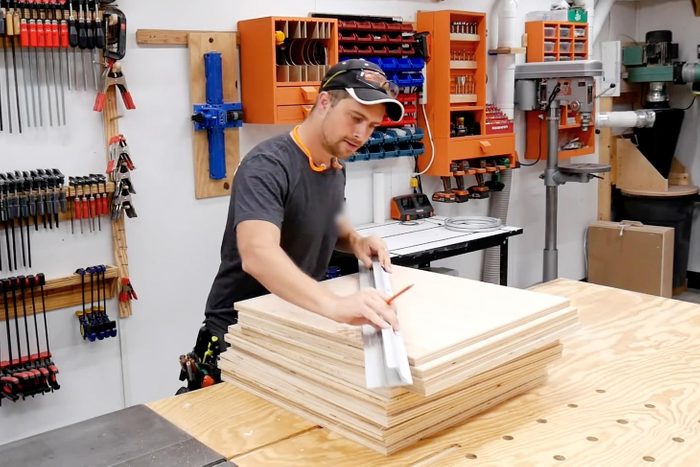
550,41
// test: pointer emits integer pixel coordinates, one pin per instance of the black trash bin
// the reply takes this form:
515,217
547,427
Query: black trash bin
666,211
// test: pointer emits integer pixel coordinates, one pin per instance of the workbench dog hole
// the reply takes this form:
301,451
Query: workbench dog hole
508,438
592,439
600,391
559,458
622,421
226,186
211,40
573,406
678,439
470,456
649,459
541,420
650,406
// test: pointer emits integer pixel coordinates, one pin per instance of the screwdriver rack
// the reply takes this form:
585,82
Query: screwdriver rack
62,292
469,134
52,42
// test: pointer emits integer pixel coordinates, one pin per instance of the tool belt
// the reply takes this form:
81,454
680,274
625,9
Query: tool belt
200,367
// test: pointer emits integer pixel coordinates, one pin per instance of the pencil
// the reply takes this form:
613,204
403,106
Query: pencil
395,296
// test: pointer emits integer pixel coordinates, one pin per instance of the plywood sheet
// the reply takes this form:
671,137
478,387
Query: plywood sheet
624,393
438,315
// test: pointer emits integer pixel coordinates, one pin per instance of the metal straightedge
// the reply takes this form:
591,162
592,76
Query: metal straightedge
386,360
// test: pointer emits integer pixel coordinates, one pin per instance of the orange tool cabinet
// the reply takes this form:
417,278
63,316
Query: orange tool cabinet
549,41
282,63
456,109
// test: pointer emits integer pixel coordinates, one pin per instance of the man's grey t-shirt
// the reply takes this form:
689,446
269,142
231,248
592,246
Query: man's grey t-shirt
275,183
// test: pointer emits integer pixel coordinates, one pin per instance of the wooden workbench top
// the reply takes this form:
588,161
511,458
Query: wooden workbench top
626,392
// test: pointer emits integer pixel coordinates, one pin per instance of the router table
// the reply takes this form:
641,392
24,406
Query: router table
626,392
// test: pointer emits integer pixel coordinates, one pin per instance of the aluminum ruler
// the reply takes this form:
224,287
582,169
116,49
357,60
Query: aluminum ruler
386,361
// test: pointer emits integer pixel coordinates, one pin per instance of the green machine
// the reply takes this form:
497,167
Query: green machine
656,62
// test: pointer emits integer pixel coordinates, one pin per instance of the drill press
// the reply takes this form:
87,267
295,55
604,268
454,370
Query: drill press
547,86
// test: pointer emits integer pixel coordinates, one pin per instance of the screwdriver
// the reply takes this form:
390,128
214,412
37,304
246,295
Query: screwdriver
14,30
73,40
41,43
24,43
4,32
34,44
90,36
54,43
82,40
64,43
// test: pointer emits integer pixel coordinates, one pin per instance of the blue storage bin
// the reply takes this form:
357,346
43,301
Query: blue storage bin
377,138
403,135
405,149
391,150
417,79
377,61
417,63
418,149
362,154
390,136
376,153
390,65
405,64
417,134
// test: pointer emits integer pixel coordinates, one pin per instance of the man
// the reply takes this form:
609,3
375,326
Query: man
284,217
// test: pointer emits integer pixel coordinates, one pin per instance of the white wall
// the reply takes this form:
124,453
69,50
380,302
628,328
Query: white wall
174,243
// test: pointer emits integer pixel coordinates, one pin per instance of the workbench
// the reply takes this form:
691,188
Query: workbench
420,242
626,392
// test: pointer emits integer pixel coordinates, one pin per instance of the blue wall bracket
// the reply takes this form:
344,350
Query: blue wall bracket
216,115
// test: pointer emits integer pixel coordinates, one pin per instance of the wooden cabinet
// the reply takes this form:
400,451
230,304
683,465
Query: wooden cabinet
282,63
459,117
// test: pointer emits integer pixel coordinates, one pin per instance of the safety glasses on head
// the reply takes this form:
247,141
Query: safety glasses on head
362,77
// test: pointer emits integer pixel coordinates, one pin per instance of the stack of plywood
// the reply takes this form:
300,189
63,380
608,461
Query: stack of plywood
471,345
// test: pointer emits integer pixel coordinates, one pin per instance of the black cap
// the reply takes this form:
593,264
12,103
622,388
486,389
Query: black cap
366,83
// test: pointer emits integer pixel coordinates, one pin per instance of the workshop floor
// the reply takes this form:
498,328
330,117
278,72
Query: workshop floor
692,295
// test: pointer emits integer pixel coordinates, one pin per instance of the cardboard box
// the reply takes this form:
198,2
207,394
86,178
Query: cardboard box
632,256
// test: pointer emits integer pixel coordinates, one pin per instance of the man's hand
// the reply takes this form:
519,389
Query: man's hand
364,248
368,306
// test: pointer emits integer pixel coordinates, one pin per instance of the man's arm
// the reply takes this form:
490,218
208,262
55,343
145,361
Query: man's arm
264,259
364,248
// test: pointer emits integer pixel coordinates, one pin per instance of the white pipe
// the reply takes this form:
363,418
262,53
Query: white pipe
507,37
507,21
602,10
506,18
505,87
629,119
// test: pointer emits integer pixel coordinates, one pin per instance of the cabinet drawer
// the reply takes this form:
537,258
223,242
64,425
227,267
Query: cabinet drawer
296,95
479,146
292,113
